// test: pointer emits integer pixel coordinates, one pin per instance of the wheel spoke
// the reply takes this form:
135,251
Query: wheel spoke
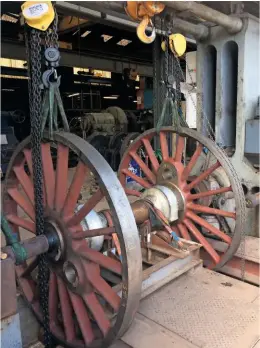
136,178
53,299
97,312
22,202
202,176
74,190
164,146
176,230
183,231
67,312
151,155
100,259
28,156
48,174
16,220
192,162
25,182
117,244
30,268
212,211
80,234
130,192
192,197
179,149
149,174
209,227
86,209
61,176
82,318
202,240
105,290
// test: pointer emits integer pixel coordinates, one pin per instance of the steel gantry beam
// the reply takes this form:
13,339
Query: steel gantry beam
73,59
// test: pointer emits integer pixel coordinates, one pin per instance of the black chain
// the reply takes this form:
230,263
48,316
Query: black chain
34,59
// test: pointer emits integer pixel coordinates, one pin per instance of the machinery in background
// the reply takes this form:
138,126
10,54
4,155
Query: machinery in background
111,131
9,140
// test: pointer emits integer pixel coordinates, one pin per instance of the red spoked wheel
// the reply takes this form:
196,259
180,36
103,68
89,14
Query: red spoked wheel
85,310
210,197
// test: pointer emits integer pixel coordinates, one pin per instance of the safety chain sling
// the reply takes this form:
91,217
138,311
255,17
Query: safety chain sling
33,39
170,97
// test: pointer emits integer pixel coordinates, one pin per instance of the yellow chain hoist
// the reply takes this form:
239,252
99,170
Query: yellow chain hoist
143,11
38,14
177,44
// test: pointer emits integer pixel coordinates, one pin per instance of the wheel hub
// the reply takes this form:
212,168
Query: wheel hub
188,172
166,198
55,239
167,172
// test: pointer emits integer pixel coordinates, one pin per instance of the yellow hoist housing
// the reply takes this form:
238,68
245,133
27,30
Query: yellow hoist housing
38,14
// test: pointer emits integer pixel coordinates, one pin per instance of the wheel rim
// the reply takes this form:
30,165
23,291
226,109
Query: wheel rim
84,309
191,221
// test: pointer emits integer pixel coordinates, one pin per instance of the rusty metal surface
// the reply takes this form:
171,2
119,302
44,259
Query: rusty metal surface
8,288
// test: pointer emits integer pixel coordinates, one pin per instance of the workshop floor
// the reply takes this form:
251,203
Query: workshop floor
200,309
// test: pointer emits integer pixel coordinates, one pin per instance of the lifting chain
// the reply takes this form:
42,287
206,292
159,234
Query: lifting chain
170,96
33,39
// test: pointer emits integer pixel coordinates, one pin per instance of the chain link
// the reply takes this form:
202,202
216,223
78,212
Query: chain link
34,70
33,40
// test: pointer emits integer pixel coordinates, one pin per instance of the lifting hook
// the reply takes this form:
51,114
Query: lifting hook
141,30
143,11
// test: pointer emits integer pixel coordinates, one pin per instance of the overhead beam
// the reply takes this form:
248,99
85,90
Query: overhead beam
72,59
69,23
113,12
231,23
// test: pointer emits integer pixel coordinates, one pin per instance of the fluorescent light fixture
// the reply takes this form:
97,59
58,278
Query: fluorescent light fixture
134,101
10,19
110,97
73,95
14,77
14,14
124,42
7,90
106,37
13,63
137,87
86,33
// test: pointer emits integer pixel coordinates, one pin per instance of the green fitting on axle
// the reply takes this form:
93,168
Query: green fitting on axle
19,251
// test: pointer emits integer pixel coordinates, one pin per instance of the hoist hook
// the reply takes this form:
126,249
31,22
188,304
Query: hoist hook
143,11
142,28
